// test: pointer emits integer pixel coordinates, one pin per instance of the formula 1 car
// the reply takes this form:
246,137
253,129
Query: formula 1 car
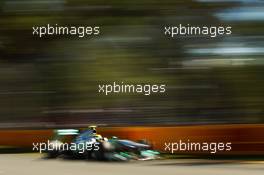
120,149
90,145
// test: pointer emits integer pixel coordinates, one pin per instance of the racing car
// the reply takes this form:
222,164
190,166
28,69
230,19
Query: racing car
90,145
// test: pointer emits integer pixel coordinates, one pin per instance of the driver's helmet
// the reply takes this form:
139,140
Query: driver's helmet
93,129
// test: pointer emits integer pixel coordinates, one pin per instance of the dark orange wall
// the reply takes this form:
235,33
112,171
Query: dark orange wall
23,138
246,139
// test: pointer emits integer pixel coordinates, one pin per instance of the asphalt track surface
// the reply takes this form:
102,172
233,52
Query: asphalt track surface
34,164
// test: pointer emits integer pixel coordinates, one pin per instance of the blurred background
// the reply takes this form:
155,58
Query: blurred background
53,81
